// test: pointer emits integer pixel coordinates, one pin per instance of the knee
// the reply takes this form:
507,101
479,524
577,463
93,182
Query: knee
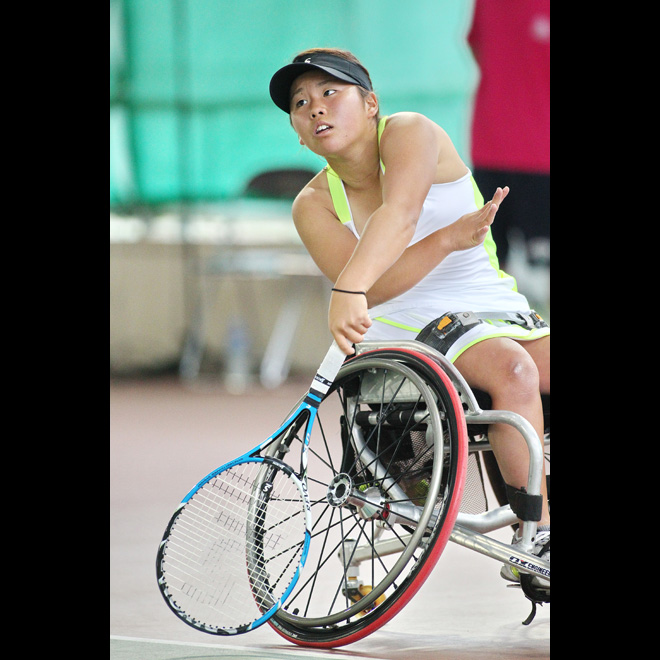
518,379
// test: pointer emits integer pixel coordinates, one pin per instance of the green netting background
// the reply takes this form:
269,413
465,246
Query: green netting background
190,114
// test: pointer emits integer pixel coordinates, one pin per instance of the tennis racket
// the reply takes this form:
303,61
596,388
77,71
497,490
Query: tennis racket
234,548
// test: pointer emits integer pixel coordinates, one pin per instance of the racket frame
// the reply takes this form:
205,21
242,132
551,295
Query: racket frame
304,414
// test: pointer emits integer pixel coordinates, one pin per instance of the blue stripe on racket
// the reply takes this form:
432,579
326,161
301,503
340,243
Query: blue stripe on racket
236,544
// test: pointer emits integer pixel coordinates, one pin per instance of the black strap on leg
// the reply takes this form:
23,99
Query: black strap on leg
524,505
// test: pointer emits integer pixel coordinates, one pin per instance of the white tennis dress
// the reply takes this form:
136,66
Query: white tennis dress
468,280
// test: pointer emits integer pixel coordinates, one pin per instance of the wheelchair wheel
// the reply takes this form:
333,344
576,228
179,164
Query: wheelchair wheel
386,468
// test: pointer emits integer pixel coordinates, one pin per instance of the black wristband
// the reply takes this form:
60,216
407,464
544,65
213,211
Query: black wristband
364,293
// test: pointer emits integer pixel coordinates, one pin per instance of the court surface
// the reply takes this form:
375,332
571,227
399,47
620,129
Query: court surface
164,437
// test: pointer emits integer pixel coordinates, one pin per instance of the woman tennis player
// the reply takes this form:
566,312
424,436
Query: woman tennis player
399,226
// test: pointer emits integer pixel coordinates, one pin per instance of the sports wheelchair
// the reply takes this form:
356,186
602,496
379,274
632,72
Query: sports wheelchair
387,470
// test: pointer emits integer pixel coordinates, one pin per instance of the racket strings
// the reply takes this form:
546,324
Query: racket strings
235,546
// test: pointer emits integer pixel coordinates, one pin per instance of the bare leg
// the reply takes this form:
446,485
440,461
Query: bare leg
513,373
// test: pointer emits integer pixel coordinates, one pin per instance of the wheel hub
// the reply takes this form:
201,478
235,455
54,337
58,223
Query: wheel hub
339,489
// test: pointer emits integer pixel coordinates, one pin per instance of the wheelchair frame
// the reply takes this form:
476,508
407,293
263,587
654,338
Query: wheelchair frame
470,529
467,530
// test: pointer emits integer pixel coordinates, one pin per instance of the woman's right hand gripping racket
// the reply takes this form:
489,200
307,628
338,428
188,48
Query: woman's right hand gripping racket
234,548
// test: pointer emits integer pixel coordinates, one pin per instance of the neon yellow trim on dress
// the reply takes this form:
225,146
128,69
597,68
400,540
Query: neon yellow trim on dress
478,197
336,185
338,194
533,334
381,127
382,319
489,242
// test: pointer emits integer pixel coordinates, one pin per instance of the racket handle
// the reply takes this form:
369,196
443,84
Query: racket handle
329,368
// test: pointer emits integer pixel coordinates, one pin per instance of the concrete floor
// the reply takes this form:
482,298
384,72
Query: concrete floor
164,437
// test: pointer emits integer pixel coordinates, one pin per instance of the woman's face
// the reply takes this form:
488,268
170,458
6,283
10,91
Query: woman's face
329,114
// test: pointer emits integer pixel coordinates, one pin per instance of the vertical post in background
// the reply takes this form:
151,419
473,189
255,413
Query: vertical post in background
192,296
122,142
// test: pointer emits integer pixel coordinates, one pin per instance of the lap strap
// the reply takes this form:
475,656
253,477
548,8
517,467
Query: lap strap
445,330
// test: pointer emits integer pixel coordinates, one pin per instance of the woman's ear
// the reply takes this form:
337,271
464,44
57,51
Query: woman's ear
301,141
372,104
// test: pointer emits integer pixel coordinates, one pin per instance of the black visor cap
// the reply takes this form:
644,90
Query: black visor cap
337,67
